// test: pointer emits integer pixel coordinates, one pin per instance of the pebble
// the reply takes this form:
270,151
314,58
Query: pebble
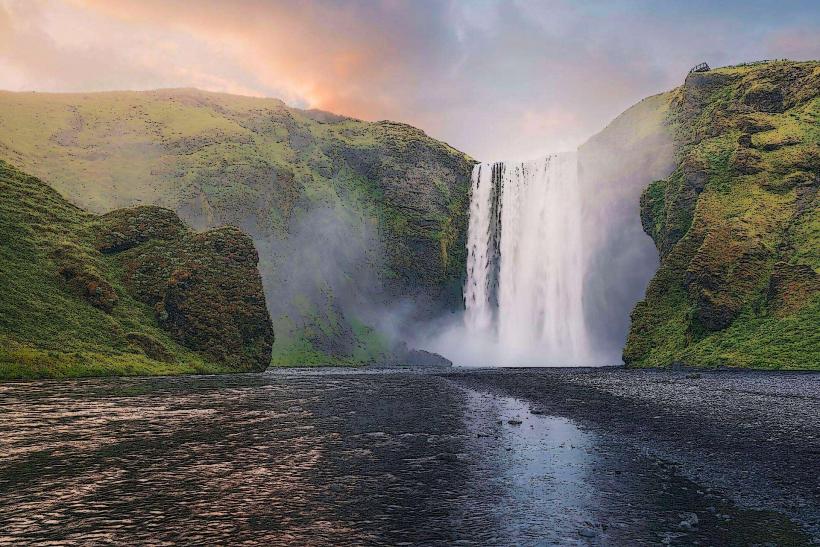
586,532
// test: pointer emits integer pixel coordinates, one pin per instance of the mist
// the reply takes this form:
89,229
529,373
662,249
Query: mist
324,270
617,259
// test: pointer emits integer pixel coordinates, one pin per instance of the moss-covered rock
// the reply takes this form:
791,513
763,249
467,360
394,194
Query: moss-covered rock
736,224
204,288
88,295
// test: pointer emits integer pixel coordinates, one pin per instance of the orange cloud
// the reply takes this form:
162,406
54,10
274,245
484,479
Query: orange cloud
500,78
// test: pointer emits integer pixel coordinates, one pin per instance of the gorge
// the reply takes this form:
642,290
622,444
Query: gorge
400,272
683,233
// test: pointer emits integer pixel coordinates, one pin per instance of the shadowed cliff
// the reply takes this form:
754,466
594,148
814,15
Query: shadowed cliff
614,167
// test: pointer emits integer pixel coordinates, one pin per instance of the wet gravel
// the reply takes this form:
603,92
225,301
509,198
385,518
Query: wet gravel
751,437
481,457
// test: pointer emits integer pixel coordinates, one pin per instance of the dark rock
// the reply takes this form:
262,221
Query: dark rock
205,288
776,145
746,161
699,87
401,355
695,174
764,97
422,358
745,140
750,124
689,522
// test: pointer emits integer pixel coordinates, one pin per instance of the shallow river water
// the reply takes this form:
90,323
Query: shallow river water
318,457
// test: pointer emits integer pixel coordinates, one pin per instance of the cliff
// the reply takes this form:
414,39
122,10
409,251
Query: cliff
134,291
614,167
351,218
736,224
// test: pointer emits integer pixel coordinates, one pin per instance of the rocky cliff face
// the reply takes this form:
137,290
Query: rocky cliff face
344,213
615,166
134,291
736,224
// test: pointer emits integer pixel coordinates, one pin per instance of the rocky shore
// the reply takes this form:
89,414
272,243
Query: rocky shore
751,438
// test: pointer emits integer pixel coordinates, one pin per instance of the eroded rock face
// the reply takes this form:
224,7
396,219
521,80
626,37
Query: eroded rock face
764,98
205,288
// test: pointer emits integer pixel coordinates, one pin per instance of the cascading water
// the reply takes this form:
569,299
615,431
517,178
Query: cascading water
524,263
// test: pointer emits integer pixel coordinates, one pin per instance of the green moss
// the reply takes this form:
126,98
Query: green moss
220,159
742,202
65,307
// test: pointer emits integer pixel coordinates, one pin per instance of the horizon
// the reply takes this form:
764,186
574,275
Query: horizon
498,80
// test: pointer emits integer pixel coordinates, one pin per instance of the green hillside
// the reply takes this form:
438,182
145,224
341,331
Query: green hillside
131,292
736,224
389,202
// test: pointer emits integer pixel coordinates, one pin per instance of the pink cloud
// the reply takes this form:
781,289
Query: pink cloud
497,79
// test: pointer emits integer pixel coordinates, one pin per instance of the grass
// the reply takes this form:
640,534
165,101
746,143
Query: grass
49,328
251,162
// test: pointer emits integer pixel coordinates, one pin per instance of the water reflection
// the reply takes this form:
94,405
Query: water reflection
309,458
541,465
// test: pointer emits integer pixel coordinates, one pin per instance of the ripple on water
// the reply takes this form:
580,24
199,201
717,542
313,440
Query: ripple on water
296,458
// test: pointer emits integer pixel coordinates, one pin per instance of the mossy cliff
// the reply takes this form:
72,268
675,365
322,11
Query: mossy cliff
134,291
388,202
736,224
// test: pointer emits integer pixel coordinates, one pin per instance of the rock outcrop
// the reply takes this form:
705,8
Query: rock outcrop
735,224
205,288
134,291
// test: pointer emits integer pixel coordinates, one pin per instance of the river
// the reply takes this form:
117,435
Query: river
337,457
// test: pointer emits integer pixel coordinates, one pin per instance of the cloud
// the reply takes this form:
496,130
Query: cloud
498,79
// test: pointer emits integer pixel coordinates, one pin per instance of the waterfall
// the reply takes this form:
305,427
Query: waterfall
524,262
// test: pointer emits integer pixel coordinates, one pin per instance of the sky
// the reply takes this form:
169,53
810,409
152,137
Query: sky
498,79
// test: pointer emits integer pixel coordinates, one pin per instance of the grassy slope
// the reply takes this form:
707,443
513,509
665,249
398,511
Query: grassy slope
737,225
46,328
257,164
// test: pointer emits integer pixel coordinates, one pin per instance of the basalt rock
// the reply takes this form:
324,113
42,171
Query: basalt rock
423,358
746,162
764,97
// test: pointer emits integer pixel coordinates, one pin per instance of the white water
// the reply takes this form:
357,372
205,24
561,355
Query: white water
525,270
